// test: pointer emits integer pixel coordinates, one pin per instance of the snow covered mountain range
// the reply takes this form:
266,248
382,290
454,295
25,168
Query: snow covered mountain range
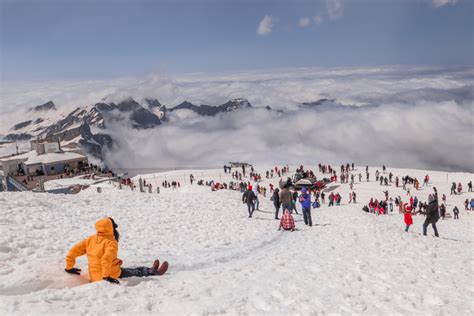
88,127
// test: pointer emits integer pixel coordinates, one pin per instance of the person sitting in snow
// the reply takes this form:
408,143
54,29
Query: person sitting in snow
101,250
287,221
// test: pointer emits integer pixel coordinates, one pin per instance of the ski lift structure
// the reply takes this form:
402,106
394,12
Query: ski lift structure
235,164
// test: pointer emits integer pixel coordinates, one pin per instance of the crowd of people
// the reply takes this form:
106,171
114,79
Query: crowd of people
285,197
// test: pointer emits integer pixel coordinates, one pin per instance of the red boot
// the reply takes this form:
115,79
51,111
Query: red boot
156,264
163,268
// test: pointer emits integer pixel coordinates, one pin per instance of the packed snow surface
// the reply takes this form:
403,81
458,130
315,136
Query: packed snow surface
221,261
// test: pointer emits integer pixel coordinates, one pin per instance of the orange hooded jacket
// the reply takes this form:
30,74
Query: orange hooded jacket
101,250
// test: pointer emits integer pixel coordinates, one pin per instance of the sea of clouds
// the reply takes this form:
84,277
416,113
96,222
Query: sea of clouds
417,117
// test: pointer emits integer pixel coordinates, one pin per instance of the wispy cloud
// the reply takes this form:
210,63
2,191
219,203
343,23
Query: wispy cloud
304,22
441,3
335,9
266,25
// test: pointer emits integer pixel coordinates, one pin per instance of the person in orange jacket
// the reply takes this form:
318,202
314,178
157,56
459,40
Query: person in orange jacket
101,250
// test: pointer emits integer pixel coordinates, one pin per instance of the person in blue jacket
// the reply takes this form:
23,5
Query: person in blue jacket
305,200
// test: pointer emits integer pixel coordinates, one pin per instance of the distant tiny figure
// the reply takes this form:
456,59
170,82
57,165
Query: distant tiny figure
456,212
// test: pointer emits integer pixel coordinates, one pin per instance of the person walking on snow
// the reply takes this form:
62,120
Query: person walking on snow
101,250
456,212
276,202
249,198
255,191
305,200
287,221
432,215
453,188
285,199
294,200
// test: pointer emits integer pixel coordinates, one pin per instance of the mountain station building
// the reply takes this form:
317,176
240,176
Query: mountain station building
45,158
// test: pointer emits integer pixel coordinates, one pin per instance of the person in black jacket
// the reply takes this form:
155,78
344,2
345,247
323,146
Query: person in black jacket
276,201
293,202
249,198
432,215
456,212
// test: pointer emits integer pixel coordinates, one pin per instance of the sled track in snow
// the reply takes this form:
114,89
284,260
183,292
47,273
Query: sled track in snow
238,255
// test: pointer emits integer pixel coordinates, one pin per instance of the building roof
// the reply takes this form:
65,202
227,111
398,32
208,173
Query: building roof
31,157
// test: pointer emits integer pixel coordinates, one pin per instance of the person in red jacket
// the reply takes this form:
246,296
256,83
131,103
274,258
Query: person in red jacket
407,217
287,221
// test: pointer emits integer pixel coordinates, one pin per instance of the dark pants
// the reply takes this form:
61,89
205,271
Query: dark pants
456,216
293,205
277,209
433,224
307,216
287,206
251,208
137,272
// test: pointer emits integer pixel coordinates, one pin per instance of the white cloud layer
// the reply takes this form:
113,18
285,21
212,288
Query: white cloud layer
265,26
408,117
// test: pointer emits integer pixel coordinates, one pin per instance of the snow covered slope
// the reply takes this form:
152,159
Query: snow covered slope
221,261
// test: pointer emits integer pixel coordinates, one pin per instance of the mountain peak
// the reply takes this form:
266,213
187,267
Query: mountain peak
44,107
153,103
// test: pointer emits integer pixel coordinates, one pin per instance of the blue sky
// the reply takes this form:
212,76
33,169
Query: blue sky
53,40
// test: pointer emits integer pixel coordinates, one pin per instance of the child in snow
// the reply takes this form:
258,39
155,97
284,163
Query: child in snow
287,221
407,217
101,250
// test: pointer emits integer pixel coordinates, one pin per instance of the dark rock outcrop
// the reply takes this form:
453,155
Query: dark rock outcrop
48,106
208,110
